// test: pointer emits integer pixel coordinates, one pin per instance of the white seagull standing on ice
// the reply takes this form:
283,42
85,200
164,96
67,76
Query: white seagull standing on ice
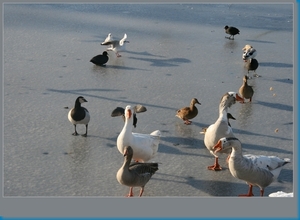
115,45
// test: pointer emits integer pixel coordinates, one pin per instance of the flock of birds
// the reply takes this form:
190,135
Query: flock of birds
113,45
138,149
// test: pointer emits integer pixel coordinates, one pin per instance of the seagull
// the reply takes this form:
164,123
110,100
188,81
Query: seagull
115,45
108,38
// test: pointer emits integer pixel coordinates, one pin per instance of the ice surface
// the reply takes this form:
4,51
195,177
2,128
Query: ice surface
176,52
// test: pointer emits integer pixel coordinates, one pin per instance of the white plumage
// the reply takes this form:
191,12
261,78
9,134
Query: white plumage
115,45
220,128
248,52
108,38
256,170
144,146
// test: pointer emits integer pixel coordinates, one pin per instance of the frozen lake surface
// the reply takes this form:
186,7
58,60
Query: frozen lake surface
176,52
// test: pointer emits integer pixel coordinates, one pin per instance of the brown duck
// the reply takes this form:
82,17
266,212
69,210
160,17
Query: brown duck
245,90
135,174
187,113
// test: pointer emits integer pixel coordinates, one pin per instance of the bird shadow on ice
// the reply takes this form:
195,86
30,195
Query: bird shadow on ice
125,68
145,53
261,41
239,131
211,187
276,105
163,148
177,141
163,62
245,132
226,188
276,65
108,66
180,144
197,141
216,187
79,91
289,81
112,141
83,92
273,150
